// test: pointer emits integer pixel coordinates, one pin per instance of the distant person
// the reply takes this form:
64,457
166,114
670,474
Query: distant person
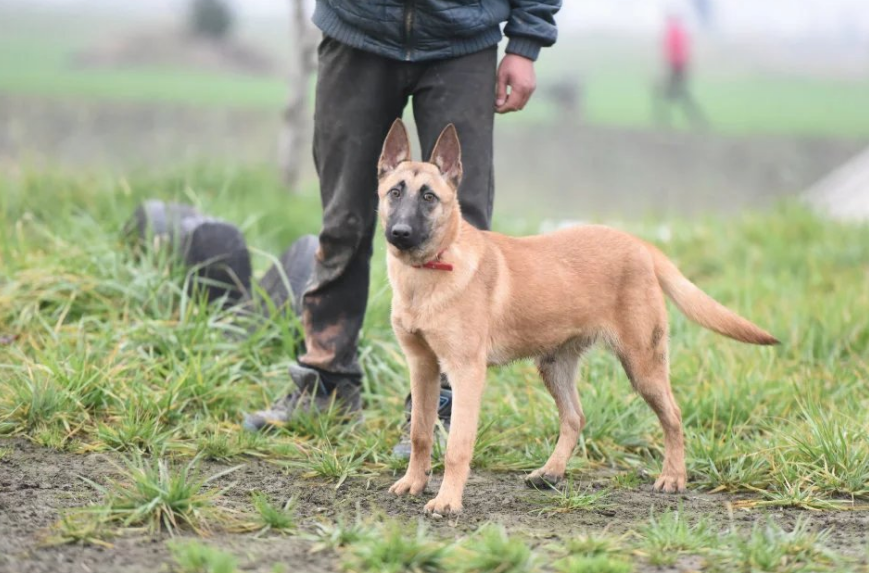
675,90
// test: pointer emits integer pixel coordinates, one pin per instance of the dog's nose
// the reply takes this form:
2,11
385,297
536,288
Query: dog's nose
402,231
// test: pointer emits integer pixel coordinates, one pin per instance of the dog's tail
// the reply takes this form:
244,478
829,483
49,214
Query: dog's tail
702,308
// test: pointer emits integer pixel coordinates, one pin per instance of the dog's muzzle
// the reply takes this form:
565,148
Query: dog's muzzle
403,237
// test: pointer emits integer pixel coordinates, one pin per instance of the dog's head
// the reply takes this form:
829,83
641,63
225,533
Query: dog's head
419,207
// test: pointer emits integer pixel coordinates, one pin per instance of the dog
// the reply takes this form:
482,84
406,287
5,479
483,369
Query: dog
465,299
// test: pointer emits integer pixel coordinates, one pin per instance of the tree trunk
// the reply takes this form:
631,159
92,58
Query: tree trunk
293,138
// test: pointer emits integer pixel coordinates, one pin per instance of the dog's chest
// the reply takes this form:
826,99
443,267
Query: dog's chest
406,322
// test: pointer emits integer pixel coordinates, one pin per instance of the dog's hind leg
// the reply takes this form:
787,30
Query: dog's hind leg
642,349
558,371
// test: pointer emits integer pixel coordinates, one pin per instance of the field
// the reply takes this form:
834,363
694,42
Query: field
120,399
121,396
740,94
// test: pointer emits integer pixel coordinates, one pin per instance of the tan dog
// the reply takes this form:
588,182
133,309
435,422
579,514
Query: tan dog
465,299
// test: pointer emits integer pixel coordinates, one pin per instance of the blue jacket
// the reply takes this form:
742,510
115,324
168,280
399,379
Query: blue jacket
419,30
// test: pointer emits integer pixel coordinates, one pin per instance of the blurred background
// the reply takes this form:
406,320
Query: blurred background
775,100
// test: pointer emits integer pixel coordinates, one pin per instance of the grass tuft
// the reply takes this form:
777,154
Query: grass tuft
397,550
594,564
492,549
281,519
668,536
159,497
195,557
574,498
770,548
331,536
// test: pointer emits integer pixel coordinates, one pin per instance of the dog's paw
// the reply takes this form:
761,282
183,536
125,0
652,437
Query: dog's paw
671,483
540,479
409,484
442,506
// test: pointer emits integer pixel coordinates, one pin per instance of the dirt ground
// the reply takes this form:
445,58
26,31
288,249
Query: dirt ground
36,483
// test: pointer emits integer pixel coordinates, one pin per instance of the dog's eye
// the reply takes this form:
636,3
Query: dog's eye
395,192
428,197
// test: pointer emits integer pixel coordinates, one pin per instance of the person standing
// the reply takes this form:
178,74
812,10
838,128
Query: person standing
675,89
375,57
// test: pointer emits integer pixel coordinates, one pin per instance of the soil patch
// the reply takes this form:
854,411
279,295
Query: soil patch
36,484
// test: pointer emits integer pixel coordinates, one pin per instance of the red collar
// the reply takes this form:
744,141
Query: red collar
436,264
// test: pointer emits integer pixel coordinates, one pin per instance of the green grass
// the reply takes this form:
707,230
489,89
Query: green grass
595,564
195,557
280,519
397,550
154,495
492,549
771,548
739,104
667,536
342,533
574,498
112,356
36,50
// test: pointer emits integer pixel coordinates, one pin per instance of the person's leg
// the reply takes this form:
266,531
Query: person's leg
358,97
692,110
461,91
671,91
661,101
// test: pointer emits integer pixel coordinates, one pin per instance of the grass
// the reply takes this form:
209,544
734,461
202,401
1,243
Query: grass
195,557
574,498
667,536
771,548
492,549
595,564
36,48
158,497
342,533
109,354
328,462
280,519
397,550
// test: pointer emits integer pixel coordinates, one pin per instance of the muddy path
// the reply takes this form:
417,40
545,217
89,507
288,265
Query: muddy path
36,484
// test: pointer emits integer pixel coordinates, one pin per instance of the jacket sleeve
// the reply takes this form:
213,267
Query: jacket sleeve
531,26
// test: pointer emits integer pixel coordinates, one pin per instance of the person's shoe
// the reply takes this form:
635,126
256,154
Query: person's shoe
445,409
311,395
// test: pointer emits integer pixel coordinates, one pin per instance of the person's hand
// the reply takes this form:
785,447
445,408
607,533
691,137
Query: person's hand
517,73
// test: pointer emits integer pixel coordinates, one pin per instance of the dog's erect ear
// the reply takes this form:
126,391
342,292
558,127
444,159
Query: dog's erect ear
447,155
396,148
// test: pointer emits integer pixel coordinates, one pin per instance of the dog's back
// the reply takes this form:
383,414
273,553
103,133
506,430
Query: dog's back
560,286
580,282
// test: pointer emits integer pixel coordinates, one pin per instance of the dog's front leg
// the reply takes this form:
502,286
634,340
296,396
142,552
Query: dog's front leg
468,379
424,392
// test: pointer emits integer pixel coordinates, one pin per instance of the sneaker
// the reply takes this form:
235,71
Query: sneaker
310,395
442,430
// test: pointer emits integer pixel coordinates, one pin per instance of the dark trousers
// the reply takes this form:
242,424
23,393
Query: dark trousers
359,95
